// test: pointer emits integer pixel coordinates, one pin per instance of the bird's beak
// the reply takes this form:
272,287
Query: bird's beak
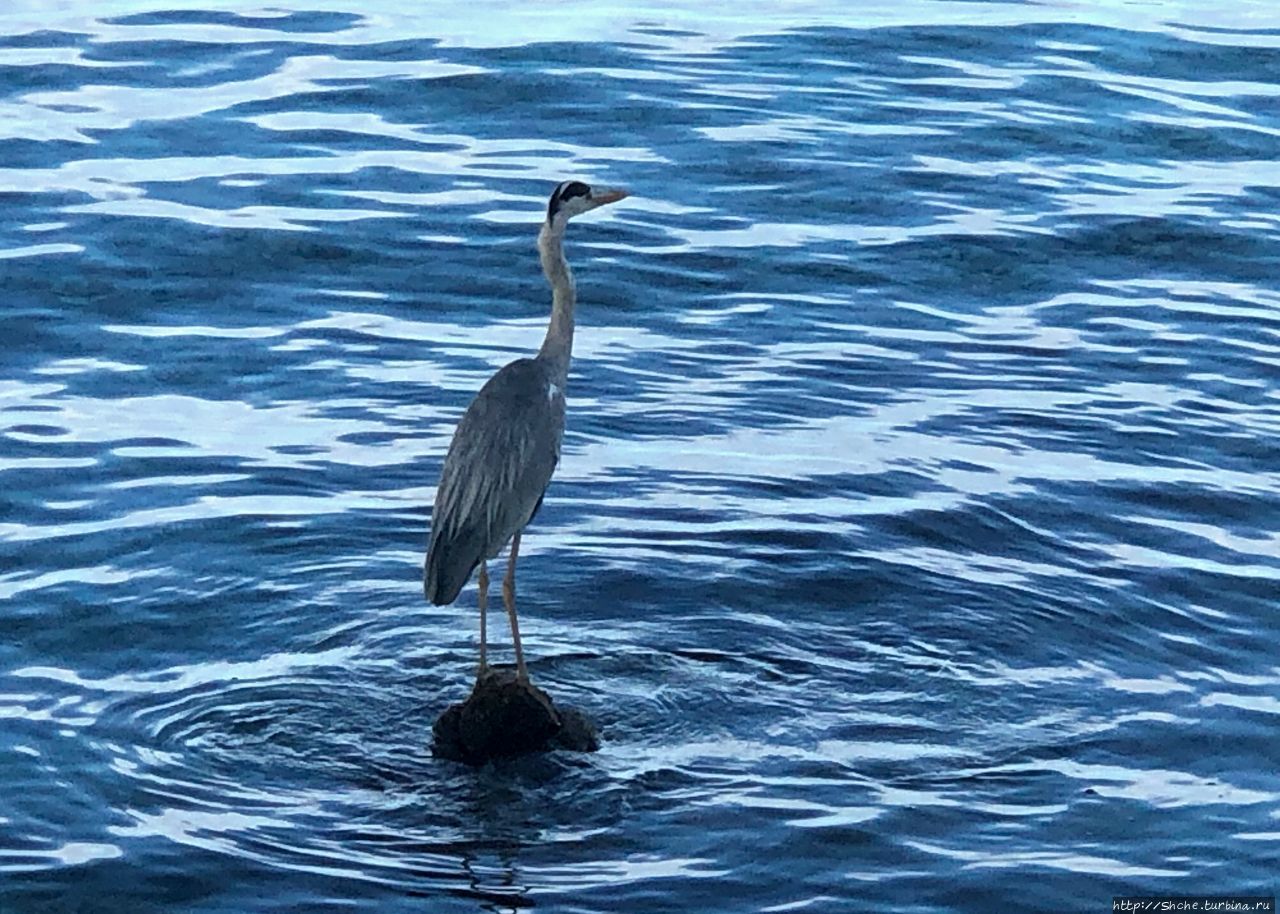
610,195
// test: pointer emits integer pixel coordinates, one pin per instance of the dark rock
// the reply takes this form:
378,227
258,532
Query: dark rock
504,717
577,733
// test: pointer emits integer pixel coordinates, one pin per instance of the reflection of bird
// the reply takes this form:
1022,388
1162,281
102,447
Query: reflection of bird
508,442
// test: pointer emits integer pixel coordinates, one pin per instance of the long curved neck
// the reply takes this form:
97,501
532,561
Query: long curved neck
558,345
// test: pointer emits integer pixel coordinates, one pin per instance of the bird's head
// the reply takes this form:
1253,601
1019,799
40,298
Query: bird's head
573,198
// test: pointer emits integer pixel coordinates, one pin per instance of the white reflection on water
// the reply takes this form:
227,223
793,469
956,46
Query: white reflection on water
106,179
73,853
212,672
67,114
1071,861
691,28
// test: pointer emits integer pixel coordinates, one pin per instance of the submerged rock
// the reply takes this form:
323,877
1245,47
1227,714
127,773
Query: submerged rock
504,717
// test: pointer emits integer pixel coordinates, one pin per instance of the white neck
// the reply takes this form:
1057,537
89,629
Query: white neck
558,345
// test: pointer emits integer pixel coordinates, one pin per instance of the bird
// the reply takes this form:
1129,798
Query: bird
507,444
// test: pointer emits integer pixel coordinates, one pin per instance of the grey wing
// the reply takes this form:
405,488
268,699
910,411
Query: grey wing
503,454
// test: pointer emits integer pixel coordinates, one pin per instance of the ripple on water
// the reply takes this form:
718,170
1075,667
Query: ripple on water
916,514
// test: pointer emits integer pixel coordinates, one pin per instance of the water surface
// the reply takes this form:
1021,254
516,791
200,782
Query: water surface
916,541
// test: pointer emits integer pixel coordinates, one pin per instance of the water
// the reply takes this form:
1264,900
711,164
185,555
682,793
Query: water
917,535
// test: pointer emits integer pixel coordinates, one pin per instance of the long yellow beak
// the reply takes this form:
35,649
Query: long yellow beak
609,195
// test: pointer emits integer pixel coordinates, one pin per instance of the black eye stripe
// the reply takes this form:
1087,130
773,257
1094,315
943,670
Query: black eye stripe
566,191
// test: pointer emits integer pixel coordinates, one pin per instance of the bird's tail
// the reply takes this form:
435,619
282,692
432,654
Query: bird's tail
447,569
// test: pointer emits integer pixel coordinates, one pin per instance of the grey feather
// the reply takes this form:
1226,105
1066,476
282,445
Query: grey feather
499,464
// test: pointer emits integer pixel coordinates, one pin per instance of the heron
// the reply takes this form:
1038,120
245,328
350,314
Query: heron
507,444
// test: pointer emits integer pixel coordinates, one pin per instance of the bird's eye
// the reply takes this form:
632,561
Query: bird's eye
566,191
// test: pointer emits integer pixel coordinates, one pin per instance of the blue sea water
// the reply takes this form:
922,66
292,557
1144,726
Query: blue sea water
916,540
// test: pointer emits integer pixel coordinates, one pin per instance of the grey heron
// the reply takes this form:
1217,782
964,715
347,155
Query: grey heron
507,444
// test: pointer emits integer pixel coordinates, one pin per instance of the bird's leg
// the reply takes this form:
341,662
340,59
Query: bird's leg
484,605
509,598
